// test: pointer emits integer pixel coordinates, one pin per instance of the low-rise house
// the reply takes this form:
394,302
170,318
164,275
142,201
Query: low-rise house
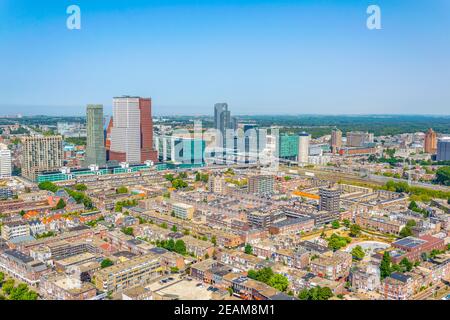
334,267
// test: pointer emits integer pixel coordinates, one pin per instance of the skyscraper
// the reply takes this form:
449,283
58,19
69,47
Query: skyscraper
336,140
222,122
95,148
443,149
430,144
41,154
303,147
5,161
132,131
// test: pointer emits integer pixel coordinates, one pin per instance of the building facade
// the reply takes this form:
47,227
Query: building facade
41,154
443,149
430,143
132,130
95,146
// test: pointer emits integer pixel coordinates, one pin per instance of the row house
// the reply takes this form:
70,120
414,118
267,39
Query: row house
334,267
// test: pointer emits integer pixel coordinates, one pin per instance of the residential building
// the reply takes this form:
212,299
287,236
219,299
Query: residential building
397,286
15,229
22,266
56,286
334,267
336,140
412,248
5,162
183,211
261,184
41,154
134,272
329,199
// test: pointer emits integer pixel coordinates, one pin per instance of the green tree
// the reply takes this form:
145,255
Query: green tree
180,247
214,240
122,190
128,231
80,187
385,265
278,282
406,264
346,223
355,230
7,286
443,175
405,232
248,249
174,228
61,204
358,253
335,224
48,186
106,263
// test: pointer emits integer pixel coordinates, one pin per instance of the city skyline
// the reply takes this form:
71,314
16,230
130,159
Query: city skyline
258,56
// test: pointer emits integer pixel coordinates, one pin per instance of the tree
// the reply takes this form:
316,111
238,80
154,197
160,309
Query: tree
385,265
180,247
61,204
358,253
336,242
22,213
7,286
443,175
128,231
335,224
122,190
106,263
278,282
408,265
48,186
214,240
80,187
346,223
287,178
179,184
405,232
355,230
2,278
248,249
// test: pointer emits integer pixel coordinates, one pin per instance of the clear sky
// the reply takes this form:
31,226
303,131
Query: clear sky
262,57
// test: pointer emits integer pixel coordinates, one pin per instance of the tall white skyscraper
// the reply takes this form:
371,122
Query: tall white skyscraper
5,161
126,132
303,147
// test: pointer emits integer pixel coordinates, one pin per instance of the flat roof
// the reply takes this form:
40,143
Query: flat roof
409,242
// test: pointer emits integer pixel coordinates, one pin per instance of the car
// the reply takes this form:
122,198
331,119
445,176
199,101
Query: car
199,284
170,279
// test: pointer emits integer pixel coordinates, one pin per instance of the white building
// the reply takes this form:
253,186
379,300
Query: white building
5,161
303,147
126,132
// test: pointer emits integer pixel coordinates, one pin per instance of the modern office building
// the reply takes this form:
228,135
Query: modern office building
359,139
303,147
5,162
132,130
336,140
287,147
180,149
95,146
430,143
261,184
329,199
41,154
222,122
443,149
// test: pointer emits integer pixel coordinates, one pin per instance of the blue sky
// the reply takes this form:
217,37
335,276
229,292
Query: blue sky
262,57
